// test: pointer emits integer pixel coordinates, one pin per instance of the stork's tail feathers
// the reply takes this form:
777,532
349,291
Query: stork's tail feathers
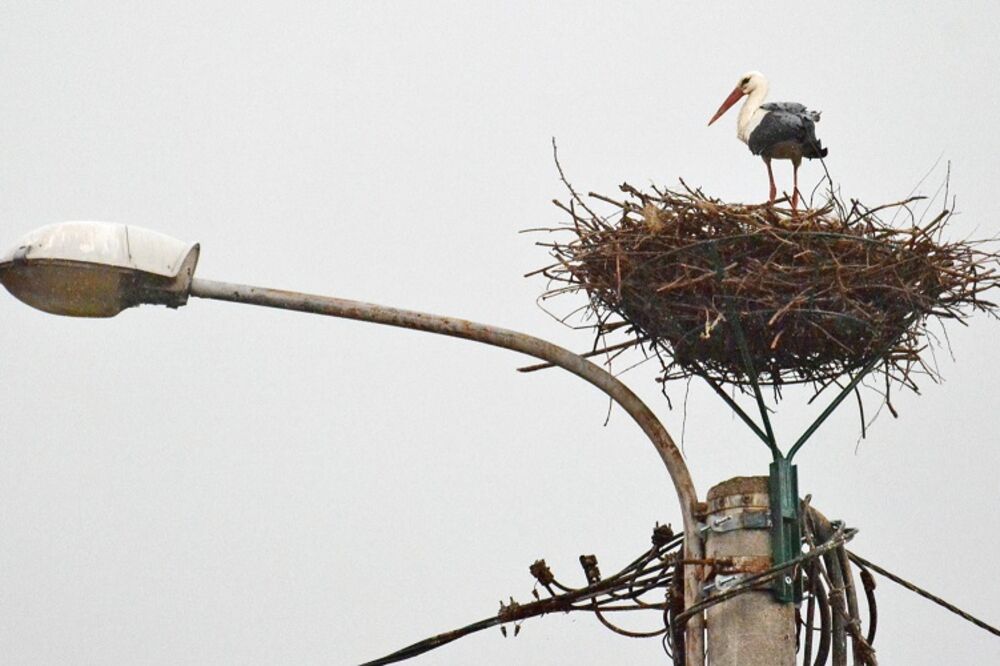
814,147
815,150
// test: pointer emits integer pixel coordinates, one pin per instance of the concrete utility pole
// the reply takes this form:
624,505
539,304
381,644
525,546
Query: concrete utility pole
751,629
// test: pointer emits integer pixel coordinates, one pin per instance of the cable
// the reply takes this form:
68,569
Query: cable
924,593
839,538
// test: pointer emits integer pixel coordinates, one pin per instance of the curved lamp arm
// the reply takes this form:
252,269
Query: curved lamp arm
526,344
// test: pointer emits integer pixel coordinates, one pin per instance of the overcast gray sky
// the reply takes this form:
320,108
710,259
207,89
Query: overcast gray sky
224,484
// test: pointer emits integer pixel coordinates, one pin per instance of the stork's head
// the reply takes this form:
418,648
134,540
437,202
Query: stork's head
747,84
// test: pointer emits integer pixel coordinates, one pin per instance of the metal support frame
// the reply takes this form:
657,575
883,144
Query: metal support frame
783,484
783,487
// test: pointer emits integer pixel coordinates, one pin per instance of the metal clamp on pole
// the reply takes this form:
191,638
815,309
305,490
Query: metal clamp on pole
748,520
786,528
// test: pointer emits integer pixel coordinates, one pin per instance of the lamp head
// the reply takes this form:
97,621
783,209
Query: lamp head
98,269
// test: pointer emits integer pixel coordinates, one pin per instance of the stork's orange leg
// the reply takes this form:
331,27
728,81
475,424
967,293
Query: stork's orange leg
795,186
770,177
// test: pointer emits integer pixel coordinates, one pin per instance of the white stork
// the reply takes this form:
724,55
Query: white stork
777,130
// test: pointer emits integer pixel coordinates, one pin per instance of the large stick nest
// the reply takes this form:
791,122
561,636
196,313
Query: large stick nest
818,295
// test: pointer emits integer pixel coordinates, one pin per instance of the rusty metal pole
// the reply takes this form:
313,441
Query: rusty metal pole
751,629
526,344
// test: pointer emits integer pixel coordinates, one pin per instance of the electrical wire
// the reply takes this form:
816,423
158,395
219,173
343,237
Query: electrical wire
924,593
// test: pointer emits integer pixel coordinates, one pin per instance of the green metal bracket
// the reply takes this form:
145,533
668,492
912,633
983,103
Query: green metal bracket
846,391
786,529
783,482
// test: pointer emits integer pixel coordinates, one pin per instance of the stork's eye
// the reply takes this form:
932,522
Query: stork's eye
745,81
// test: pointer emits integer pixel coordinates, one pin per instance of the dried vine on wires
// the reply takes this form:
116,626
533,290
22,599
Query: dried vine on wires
654,582
650,582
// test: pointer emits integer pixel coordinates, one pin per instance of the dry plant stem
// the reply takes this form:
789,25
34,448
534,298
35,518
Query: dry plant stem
810,616
526,344
868,581
852,605
846,617
815,530
590,354
825,626
836,595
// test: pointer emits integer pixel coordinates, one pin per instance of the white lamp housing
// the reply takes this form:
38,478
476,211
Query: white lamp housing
98,269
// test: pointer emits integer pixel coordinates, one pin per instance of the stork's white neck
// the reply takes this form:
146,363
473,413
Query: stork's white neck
749,118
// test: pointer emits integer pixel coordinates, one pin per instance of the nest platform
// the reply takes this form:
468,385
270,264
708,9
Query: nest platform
815,295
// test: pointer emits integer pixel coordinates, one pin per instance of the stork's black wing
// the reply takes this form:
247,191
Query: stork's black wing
792,107
782,125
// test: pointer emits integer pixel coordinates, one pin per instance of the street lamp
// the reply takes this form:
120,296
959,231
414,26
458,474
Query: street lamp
97,269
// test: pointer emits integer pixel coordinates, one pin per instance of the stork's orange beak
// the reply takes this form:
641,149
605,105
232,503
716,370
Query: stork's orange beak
732,99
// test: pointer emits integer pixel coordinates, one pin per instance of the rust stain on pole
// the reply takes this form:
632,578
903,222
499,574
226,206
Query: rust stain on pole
526,344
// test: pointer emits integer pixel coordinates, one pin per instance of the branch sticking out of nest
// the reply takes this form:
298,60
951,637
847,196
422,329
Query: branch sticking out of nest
818,295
